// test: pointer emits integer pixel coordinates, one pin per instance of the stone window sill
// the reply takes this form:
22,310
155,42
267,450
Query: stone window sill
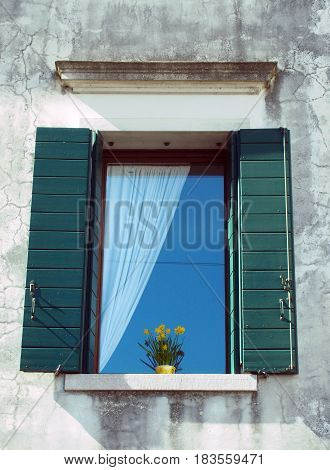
149,382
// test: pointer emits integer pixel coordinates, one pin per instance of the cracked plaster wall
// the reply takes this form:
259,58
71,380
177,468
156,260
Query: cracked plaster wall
287,412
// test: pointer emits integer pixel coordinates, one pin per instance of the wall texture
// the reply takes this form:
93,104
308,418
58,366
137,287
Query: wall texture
286,412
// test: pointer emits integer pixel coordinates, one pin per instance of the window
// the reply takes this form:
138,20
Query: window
61,327
163,258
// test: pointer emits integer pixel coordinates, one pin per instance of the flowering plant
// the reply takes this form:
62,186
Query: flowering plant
163,348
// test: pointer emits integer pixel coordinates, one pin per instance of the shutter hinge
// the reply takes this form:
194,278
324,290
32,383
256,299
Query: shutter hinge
286,284
58,370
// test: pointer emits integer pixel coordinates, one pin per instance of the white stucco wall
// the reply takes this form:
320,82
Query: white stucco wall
287,411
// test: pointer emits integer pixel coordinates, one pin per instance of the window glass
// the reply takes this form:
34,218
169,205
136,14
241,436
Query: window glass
186,282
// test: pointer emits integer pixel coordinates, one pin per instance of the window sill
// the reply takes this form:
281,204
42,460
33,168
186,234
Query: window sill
149,382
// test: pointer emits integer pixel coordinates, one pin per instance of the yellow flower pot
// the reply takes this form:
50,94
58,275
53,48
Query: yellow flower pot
165,369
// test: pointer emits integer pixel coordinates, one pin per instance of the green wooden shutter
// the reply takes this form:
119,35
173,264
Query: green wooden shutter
265,252
94,261
233,325
57,251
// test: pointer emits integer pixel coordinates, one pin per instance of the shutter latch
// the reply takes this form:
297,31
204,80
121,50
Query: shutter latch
284,303
33,290
58,370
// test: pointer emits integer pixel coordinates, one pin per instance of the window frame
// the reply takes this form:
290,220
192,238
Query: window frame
165,156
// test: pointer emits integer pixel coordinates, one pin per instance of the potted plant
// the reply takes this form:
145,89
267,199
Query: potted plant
164,349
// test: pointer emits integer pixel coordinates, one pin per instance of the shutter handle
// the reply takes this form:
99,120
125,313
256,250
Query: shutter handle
281,309
33,289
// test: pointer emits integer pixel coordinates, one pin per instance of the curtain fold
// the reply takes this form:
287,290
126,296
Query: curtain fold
140,206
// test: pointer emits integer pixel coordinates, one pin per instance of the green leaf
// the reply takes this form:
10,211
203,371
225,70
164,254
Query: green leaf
148,365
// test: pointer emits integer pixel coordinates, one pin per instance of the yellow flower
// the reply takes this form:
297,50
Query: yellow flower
168,331
164,347
146,331
161,336
179,330
160,329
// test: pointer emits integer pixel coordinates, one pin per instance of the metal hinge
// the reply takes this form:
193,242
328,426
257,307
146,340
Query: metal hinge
286,284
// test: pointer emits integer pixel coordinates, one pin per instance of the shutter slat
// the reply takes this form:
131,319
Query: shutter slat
57,203
62,134
72,221
57,297
48,359
51,337
261,280
53,317
262,298
263,169
55,167
56,240
261,135
61,150
264,205
264,338
264,241
262,186
57,277
62,259
57,256
264,223
265,260
51,185
272,361
264,318
261,151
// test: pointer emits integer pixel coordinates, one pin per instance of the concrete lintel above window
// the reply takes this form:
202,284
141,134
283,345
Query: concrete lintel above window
149,382
166,77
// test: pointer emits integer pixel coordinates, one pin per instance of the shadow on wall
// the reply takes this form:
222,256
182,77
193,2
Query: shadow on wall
183,420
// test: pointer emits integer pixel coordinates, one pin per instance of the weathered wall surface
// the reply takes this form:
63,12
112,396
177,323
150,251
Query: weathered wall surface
287,412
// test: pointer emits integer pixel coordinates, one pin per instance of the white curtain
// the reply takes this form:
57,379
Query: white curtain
140,206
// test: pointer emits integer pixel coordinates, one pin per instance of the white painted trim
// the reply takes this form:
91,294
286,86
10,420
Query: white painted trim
150,382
